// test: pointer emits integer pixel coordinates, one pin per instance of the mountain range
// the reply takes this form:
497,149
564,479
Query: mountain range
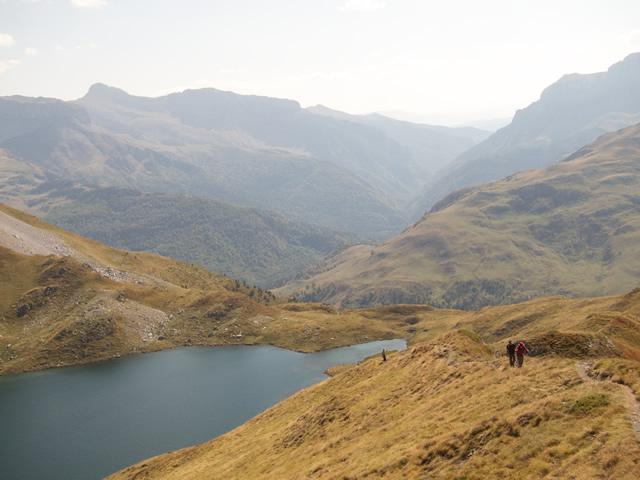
65,142
320,180
260,188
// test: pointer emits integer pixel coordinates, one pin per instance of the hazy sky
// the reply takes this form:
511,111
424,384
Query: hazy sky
451,60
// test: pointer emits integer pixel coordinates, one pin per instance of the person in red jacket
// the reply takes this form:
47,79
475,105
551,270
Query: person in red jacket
521,349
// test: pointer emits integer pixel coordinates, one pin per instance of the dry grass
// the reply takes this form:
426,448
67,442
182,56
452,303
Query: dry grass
447,408
444,409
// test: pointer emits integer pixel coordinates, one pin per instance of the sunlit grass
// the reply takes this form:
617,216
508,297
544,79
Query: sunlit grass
439,410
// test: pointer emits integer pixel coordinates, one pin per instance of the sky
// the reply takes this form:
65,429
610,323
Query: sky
443,61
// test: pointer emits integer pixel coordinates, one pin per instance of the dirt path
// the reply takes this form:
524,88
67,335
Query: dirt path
632,404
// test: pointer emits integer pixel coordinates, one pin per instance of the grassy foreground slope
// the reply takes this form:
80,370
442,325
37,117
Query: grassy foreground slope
570,229
67,300
449,407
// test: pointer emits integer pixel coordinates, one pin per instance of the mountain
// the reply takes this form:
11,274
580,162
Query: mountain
22,115
570,229
435,146
382,157
67,300
569,114
485,124
213,149
450,407
256,246
229,166
491,124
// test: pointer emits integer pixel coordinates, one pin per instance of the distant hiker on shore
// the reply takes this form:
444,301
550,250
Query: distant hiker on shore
511,353
521,349
384,354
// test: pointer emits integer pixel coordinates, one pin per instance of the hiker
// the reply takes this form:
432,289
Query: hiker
511,353
384,354
521,349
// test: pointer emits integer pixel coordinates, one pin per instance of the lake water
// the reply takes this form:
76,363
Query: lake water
89,421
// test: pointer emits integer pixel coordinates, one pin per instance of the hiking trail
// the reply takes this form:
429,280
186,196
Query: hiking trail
632,404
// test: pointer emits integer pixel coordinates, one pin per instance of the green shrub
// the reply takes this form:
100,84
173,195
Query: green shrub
584,405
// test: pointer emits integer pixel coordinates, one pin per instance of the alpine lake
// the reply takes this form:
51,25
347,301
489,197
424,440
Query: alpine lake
87,422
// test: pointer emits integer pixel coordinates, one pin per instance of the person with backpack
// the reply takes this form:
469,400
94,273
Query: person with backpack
521,349
511,353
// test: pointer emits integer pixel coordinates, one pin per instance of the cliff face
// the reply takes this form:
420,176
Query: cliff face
578,101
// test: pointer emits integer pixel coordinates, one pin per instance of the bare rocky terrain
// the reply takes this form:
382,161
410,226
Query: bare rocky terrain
28,240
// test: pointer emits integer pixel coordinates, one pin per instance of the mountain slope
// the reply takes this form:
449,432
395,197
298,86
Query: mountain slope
170,157
66,300
570,113
433,146
256,246
570,229
448,408
383,157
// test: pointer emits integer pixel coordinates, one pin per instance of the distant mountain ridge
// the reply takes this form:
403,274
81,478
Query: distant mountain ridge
228,166
437,144
252,151
575,110
368,152
21,115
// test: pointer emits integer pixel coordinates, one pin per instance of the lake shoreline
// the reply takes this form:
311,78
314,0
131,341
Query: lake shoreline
172,347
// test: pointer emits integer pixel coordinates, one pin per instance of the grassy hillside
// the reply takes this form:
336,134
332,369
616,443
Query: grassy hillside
67,300
571,229
448,407
451,408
